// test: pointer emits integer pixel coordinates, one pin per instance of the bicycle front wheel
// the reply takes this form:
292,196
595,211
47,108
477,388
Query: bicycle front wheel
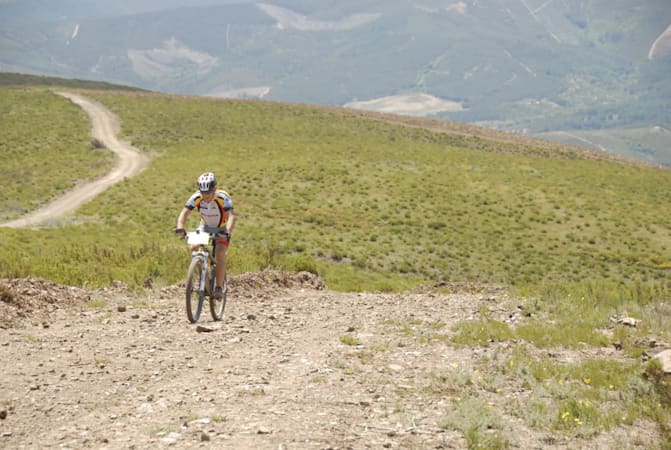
217,305
195,293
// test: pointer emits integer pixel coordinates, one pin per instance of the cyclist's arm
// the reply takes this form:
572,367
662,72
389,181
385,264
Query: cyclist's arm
181,220
230,222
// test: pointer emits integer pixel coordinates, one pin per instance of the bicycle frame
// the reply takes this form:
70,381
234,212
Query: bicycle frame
202,240
203,260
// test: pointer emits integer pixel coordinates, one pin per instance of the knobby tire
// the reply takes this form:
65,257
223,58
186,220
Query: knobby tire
217,305
194,299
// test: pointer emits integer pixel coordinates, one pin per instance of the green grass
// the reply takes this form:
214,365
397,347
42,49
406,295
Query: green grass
554,365
476,420
348,198
45,148
14,79
96,304
350,340
375,206
343,196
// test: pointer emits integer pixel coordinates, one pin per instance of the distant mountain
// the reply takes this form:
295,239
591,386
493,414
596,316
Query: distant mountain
35,11
531,66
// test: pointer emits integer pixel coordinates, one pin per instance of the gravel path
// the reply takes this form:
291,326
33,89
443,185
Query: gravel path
292,366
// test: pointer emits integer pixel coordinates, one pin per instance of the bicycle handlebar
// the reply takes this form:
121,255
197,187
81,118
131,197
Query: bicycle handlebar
214,230
205,235
207,229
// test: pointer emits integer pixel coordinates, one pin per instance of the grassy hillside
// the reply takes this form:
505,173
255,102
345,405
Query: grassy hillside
45,149
367,204
371,205
21,79
46,145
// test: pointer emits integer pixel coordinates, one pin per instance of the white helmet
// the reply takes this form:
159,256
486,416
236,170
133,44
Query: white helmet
207,182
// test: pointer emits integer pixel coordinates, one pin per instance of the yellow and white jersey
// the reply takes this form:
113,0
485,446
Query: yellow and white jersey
214,213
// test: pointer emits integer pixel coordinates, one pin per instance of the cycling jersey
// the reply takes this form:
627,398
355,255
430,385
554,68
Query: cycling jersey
214,213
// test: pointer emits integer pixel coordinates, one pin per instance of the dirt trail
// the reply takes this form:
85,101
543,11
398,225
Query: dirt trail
292,366
130,161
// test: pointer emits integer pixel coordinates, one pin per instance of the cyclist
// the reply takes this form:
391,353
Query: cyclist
216,210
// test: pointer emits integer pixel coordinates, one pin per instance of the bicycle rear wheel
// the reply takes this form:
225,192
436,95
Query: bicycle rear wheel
217,305
194,298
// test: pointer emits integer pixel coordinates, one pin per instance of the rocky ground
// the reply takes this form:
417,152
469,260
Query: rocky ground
292,366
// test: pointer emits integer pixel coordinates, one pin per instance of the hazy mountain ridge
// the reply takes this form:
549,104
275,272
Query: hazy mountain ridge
533,66
289,19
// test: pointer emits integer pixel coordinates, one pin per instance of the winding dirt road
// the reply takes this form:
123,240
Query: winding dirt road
130,161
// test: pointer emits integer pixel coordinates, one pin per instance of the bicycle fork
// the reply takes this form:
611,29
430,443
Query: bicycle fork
204,267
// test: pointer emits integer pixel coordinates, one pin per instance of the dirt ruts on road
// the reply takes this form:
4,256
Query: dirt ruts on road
130,161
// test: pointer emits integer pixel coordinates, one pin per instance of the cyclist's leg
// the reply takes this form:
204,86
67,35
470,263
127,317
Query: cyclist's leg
220,256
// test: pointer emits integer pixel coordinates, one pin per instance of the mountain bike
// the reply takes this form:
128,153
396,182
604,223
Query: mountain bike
200,279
